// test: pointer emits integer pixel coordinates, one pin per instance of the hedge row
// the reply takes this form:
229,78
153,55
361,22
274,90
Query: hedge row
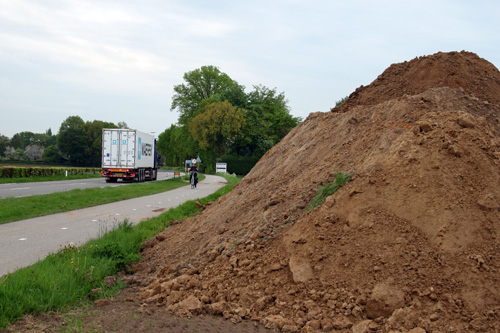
26,172
240,165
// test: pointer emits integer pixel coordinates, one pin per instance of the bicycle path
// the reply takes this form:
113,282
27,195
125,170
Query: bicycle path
23,243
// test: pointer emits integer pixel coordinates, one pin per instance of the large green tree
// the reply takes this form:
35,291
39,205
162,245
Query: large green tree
205,83
217,127
71,140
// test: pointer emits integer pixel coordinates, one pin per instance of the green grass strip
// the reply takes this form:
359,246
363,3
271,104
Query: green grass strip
328,189
65,279
16,209
45,179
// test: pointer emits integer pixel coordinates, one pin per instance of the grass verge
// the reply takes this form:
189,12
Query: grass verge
328,189
74,276
16,209
45,179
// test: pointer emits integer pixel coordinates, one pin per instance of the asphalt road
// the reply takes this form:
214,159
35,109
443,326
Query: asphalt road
23,243
27,189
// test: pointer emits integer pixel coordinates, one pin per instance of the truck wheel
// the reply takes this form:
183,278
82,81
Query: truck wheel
111,180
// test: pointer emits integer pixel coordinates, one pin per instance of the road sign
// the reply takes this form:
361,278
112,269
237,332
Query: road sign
220,167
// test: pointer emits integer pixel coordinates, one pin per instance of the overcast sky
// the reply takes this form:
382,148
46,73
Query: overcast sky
118,60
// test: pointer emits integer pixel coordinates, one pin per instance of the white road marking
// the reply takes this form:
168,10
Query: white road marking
23,239
20,188
64,228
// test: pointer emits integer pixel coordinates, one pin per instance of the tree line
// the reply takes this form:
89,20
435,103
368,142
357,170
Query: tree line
216,118
77,143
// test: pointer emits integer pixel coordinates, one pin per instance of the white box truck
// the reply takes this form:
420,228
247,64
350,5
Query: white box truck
128,154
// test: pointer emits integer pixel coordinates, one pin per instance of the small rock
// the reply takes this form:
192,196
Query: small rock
217,308
384,300
417,330
140,266
362,327
110,281
275,322
301,269
275,267
425,127
261,303
290,328
341,323
190,304
212,255
95,291
488,202
373,326
149,244
466,120
101,302
314,324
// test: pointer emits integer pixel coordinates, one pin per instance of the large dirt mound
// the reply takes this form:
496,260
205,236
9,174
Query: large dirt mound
454,70
410,243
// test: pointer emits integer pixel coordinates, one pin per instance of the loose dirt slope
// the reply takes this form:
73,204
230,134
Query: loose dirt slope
410,243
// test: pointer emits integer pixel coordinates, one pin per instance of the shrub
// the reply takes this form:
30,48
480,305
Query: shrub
329,188
27,172
240,165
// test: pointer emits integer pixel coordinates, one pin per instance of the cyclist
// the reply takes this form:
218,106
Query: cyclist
193,173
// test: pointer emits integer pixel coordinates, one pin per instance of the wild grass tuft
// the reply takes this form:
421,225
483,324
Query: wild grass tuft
328,189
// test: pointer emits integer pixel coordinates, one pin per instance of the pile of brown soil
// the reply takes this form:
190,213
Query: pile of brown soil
411,243
454,70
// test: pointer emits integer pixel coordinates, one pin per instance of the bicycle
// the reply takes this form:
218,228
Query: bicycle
193,179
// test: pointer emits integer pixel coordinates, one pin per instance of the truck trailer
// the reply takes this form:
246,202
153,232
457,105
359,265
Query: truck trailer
128,154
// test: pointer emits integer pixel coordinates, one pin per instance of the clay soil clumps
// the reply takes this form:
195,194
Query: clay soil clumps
409,244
